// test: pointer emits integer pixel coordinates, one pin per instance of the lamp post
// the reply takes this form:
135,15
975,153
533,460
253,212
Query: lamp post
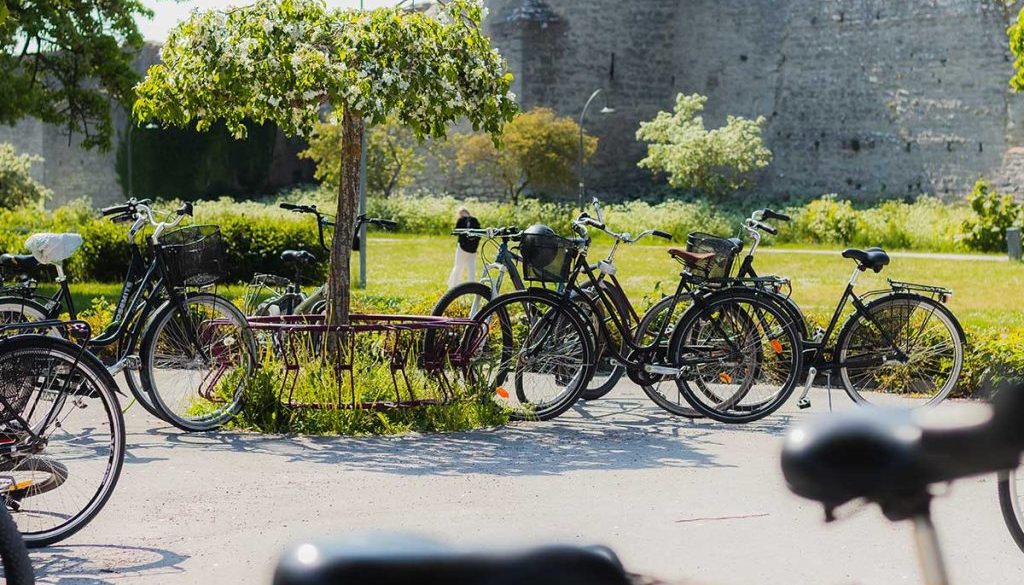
605,110
362,201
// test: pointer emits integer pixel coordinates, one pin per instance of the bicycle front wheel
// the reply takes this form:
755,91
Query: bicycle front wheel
1011,502
16,563
536,356
927,335
739,356
196,359
63,423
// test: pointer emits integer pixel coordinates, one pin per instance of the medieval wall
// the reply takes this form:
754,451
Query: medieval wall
863,97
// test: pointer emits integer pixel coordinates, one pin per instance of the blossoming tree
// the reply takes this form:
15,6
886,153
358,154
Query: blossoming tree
286,61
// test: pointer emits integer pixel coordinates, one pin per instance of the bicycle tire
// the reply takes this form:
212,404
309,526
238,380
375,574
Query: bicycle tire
599,387
543,317
896,302
192,416
1011,505
652,388
477,291
33,311
102,387
13,552
782,330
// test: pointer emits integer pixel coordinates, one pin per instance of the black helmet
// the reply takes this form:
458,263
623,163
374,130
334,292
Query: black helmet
538,245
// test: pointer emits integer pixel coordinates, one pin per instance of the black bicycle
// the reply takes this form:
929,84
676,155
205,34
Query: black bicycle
61,431
733,346
270,294
180,346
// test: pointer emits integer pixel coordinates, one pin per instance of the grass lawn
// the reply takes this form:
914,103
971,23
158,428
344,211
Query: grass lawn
412,271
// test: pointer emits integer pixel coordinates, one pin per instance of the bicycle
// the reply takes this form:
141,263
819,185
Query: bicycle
175,345
465,300
734,341
61,430
903,343
892,458
270,295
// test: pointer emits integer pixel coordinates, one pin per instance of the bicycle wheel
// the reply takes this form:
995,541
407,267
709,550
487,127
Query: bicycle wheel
463,301
16,563
63,420
1011,502
196,360
14,310
924,330
661,389
606,374
535,357
740,356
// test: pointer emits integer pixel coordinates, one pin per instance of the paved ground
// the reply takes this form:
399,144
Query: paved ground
696,501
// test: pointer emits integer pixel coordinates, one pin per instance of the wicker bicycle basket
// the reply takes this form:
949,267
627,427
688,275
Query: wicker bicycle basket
717,266
193,256
547,258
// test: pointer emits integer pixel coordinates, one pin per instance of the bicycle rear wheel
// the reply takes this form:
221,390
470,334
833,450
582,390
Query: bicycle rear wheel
924,330
196,360
740,355
63,423
661,389
535,357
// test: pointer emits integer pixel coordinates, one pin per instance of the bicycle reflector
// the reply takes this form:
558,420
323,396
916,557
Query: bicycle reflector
501,391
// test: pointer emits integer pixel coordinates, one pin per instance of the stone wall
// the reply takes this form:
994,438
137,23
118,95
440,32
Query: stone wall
864,97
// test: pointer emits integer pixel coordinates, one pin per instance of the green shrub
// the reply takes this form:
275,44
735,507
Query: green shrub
827,220
17,187
992,214
992,357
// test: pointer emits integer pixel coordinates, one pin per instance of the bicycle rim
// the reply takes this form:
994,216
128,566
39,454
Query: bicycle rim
924,331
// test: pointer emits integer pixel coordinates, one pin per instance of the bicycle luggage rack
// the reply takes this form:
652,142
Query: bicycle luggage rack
435,345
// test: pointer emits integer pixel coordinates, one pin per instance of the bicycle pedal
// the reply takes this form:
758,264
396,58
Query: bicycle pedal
133,362
803,403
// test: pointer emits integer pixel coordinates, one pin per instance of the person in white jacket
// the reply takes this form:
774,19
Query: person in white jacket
465,250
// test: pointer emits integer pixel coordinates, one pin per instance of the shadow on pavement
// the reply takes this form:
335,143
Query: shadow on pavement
614,433
85,564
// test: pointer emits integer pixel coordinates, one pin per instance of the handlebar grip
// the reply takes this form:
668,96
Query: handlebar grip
772,214
115,210
662,234
386,223
769,229
289,206
185,209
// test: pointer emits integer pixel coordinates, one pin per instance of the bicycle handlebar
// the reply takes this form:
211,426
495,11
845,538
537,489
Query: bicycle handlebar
583,220
489,233
772,214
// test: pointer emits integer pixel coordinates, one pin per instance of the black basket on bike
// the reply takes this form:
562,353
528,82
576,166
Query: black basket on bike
192,256
717,266
547,258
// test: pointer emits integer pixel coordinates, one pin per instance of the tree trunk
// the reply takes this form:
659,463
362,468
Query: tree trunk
339,279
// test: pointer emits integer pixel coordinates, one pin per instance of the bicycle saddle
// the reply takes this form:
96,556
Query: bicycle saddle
297,256
404,560
53,248
891,456
691,257
18,261
873,258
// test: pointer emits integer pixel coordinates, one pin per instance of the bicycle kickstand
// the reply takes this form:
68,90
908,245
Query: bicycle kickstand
804,401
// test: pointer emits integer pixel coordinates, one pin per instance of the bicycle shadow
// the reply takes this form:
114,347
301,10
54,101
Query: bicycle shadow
604,435
100,564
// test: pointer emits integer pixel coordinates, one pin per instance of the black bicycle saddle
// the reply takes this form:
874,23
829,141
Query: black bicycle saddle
886,456
873,258
404,560
297,256
18,261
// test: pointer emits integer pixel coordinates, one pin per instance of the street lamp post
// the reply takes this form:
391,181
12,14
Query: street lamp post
583,114
362,201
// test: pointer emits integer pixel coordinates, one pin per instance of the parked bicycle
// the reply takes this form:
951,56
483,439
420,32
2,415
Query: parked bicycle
465,300
61,430
733,344
176,342
892,458
270,295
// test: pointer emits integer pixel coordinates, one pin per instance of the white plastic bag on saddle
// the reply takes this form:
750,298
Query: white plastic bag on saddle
53,248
